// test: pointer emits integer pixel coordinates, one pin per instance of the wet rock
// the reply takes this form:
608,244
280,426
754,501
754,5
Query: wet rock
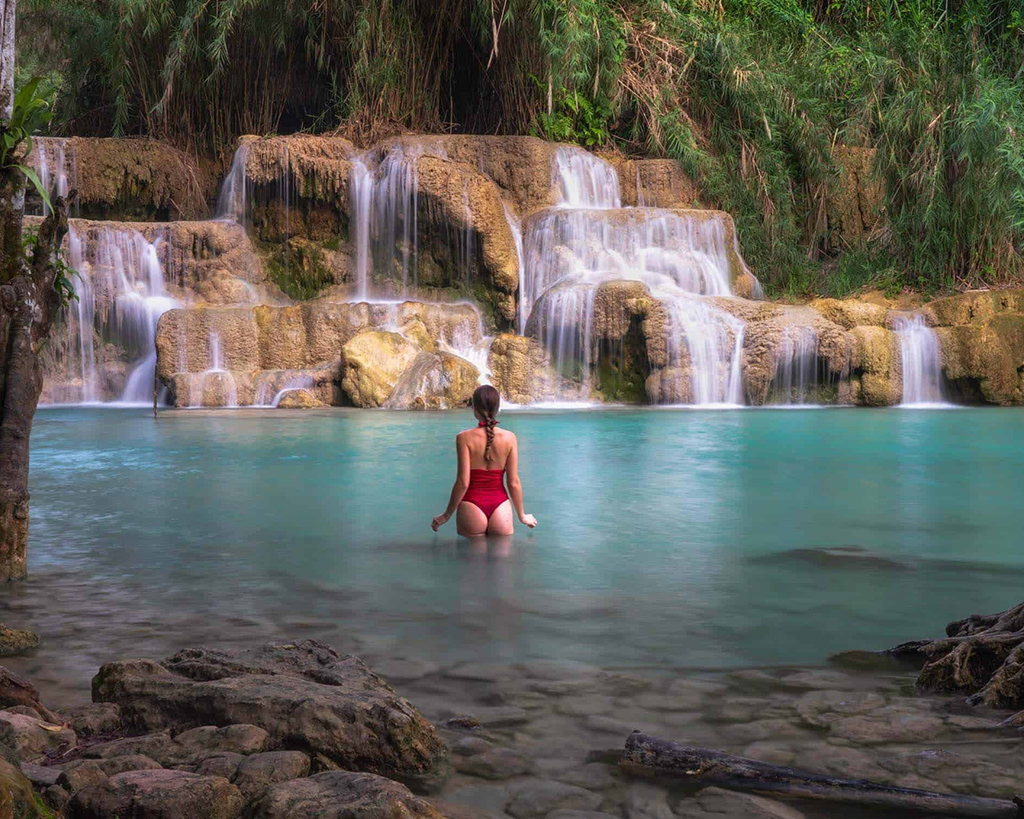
305,695
208,739
56,797
501,716
585,705
647,801
890,724
559,670
158,794
499,763
451,810
33,738
223,764
593,776
40,775
372,364
717,802
74,778
434,381
479,671
539,797
520,370
16,641
490,798
580,814
471,746
131,762
299,399
256,773
341,795
94,719
158,746
401,670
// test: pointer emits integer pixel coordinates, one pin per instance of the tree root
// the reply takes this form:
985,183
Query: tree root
646,755
981,657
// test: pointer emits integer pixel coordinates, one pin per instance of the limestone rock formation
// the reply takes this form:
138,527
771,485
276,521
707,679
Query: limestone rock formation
982,339
434,381
265,349
876,366
136,179
372,363
855,204
305,695
519,369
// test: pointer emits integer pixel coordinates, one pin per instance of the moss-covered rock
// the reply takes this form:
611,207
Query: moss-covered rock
17,799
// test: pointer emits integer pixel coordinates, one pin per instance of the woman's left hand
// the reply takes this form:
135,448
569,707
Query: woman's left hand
439,521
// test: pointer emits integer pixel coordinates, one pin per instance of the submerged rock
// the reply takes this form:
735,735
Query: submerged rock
16,641
342,795
305,695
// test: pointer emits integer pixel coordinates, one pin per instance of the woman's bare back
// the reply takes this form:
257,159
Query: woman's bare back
476,442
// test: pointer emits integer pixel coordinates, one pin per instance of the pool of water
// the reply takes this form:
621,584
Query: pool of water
667,538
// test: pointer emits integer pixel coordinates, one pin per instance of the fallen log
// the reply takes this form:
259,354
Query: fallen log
649,756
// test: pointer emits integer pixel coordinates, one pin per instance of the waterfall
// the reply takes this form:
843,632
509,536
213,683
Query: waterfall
233,200
121,296
586,181
216,376
922,361
50,163
798,370
679,256
270,389
361,201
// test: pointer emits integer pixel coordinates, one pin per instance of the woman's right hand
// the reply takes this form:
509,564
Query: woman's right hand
528,520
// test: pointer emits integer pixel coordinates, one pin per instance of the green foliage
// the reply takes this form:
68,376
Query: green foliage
750,96
32,112
64,274
301,275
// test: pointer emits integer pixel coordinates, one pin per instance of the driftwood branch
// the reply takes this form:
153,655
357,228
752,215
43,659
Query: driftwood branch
648,756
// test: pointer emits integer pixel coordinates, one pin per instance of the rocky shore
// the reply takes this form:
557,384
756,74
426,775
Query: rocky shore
290,730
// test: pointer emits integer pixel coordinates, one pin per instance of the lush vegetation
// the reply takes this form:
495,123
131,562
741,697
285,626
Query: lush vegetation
751,96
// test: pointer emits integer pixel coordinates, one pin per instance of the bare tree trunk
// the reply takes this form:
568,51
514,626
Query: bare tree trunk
29,303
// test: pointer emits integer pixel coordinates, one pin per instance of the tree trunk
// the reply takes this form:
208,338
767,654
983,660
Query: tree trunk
650,756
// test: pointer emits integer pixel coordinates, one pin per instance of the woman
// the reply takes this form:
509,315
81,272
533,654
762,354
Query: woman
486,455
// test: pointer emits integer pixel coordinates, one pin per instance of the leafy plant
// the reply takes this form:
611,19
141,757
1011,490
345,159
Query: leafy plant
32,112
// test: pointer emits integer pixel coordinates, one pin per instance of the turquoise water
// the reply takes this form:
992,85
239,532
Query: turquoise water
667,537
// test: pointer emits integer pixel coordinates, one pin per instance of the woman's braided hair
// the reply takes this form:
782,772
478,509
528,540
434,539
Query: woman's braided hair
486,401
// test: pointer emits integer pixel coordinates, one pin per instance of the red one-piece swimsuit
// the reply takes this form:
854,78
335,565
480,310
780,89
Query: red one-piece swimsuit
486,490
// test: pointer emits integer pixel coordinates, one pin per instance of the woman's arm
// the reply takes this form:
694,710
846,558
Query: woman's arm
515,487
460,486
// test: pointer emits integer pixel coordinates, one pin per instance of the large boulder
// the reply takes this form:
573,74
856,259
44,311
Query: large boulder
341,795
372,363
305,695
32,737
158,794
435,381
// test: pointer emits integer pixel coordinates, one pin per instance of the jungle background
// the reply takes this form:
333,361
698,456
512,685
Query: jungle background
771,106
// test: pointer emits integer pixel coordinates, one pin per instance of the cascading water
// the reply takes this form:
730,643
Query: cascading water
121,296
216,377
590,239
798,369
233,199
922,361
50,161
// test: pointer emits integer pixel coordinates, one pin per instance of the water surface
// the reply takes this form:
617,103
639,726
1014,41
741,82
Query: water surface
667,538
